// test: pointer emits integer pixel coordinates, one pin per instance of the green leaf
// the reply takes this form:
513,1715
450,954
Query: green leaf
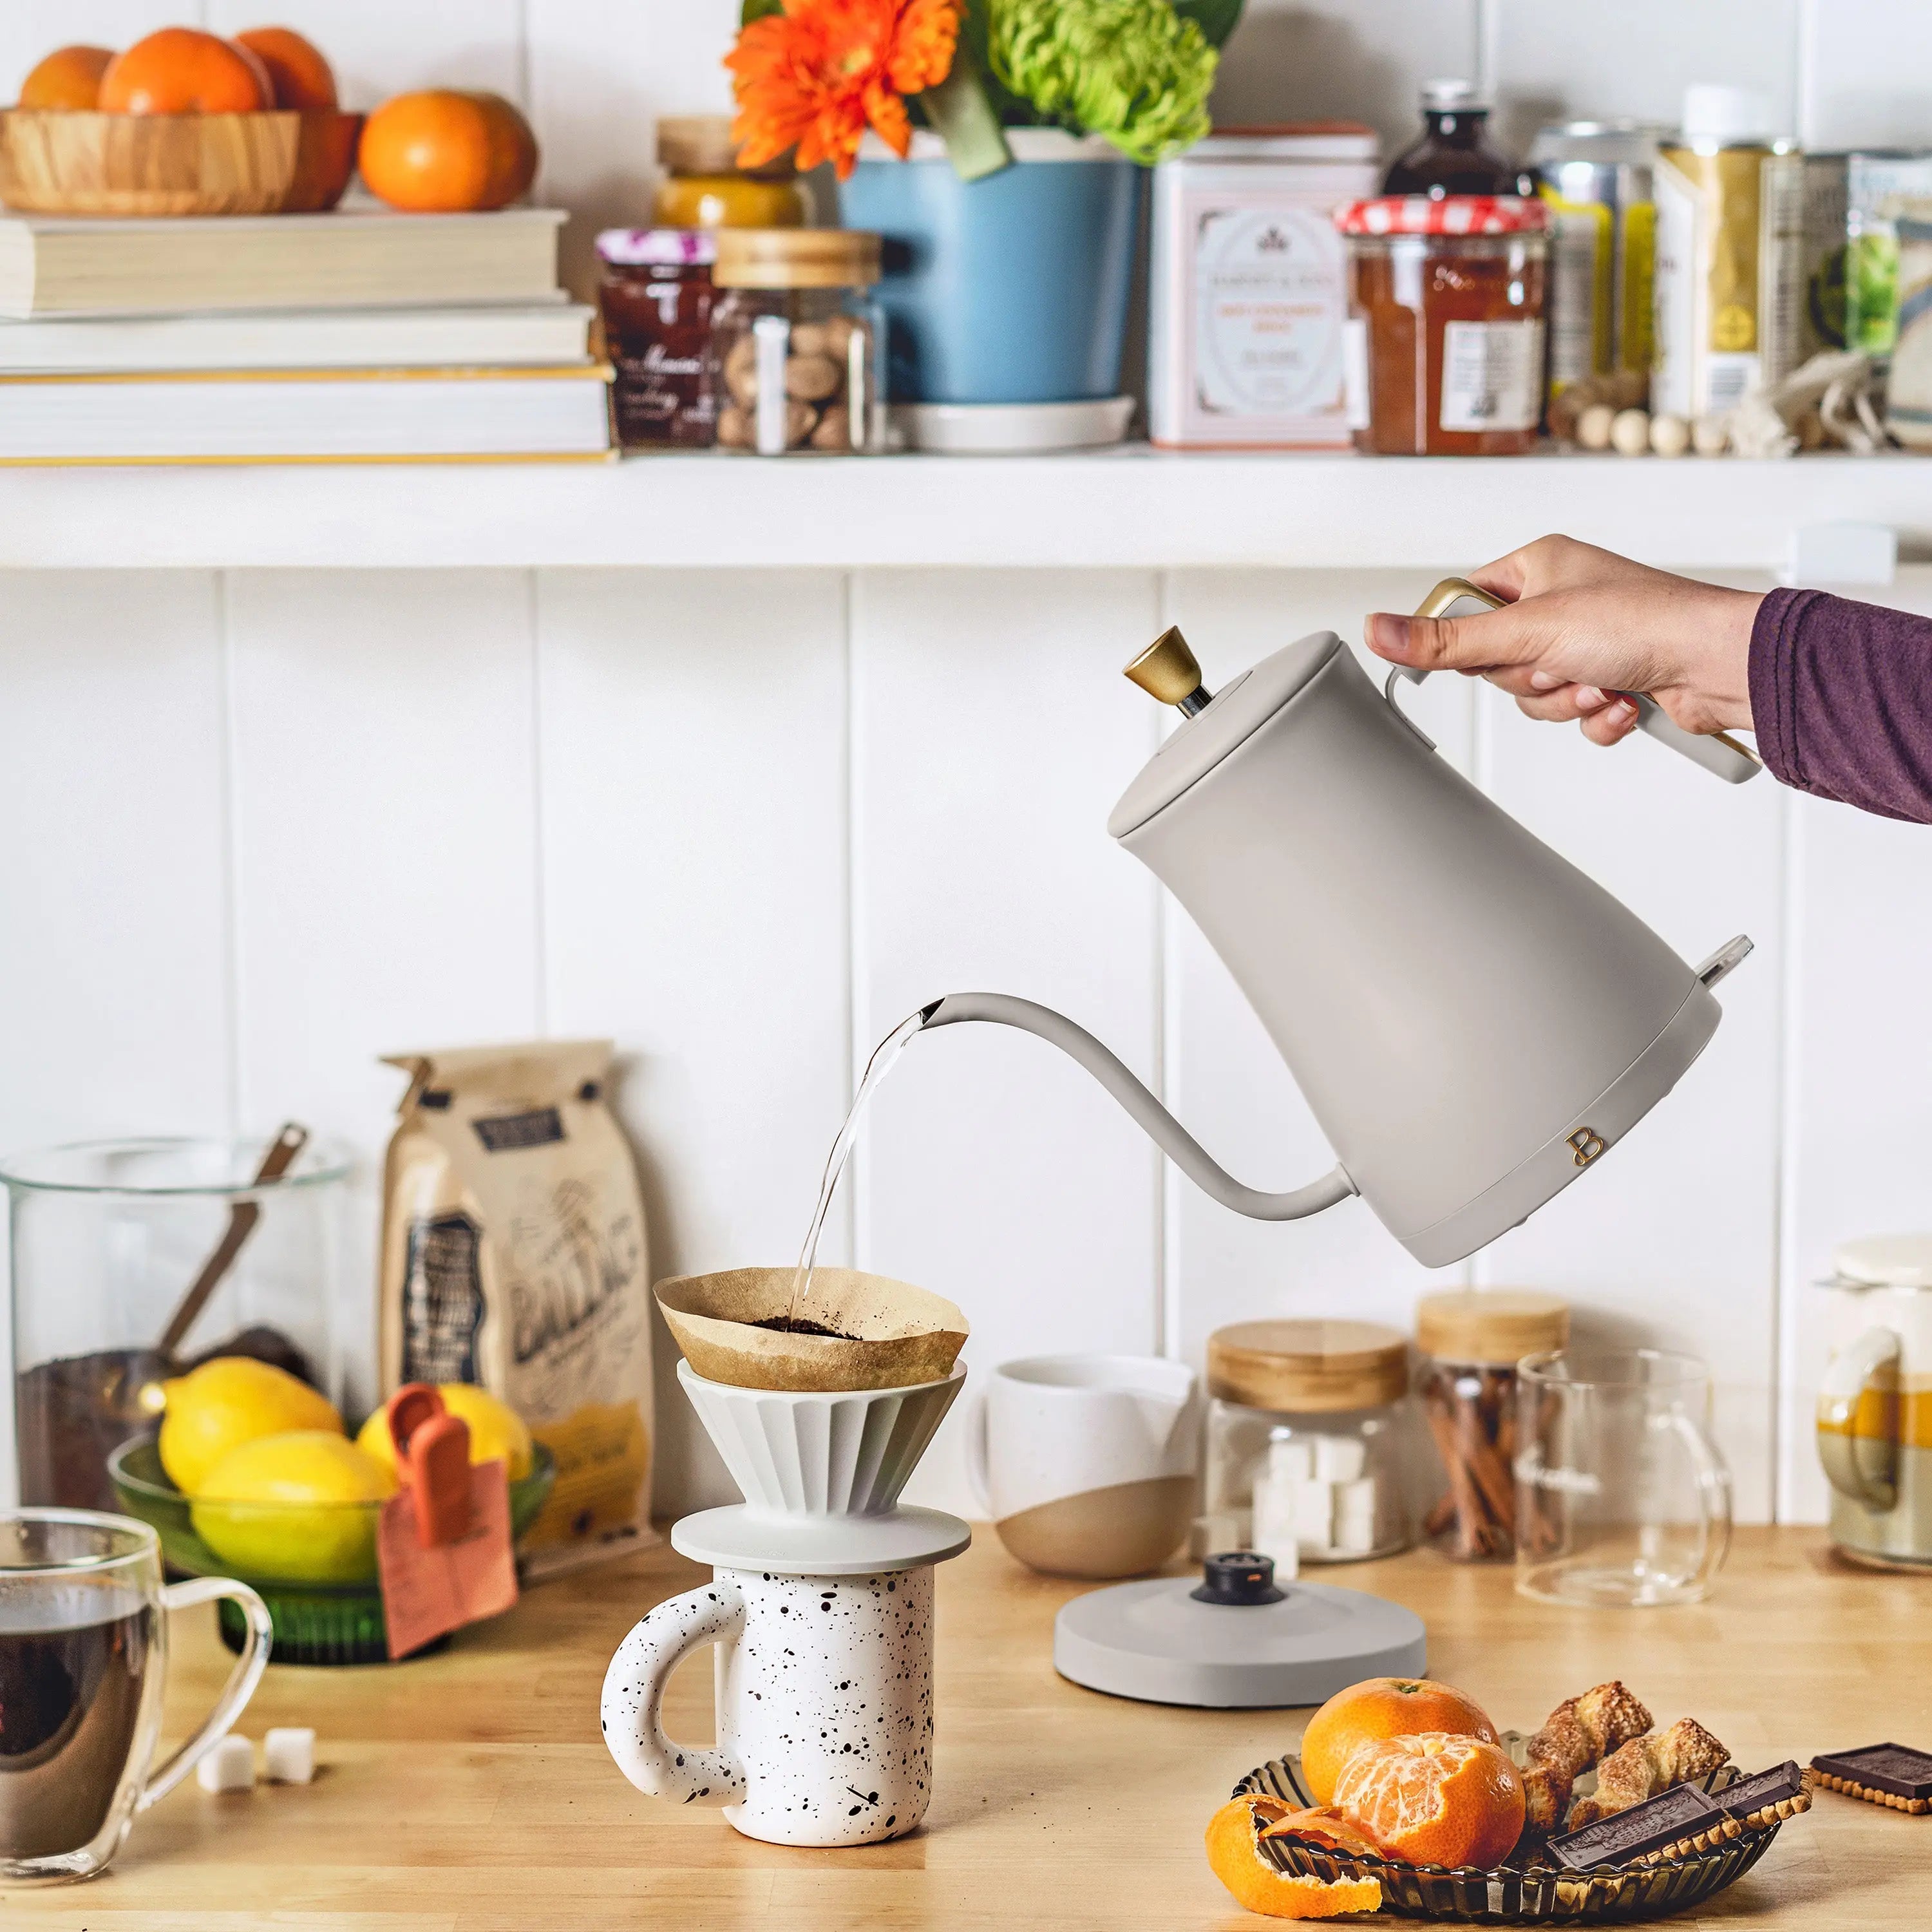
1217,19
756,10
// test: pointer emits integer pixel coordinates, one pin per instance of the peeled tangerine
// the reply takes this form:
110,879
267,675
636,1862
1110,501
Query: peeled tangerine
227,1401
295,1507
1437,1799
496,1432
1234,1850
1379,1708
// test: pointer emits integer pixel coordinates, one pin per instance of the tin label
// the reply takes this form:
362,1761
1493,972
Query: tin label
1492,375
1268,284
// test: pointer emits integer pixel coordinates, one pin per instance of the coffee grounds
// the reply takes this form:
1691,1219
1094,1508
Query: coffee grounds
801,1324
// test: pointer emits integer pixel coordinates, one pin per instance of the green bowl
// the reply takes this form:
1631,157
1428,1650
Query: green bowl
335,1621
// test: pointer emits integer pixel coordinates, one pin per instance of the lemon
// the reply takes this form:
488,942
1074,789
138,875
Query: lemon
497,1433
227,1401
294,1506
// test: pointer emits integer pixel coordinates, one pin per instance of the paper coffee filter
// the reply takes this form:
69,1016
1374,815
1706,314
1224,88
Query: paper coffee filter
903,1335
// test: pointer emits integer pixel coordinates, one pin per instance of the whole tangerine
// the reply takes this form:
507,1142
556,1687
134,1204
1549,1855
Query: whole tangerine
441,151
1436,1799
182,70
1382,1707
1235,1856
299,75
69,77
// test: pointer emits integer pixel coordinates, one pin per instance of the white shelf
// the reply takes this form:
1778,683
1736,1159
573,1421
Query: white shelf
1129,508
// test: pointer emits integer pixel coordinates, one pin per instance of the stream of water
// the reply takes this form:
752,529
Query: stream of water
885,1056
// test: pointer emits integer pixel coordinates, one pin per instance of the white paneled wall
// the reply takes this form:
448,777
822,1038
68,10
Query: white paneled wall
267,826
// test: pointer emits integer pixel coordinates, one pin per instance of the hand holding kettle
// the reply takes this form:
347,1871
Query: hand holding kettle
1581,628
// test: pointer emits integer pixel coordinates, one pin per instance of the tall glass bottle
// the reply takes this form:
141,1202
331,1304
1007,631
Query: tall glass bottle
1453,156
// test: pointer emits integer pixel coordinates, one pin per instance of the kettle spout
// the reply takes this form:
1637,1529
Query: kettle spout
1160,1126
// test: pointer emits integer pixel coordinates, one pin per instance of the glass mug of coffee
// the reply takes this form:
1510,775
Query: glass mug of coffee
83,1654
1623,1498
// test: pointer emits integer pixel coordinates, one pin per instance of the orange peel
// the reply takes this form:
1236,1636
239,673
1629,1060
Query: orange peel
1234,1853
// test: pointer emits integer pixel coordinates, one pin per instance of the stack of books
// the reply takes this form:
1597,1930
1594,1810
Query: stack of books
353,336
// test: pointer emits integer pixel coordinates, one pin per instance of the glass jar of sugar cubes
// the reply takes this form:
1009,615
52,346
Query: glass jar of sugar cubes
1311,1441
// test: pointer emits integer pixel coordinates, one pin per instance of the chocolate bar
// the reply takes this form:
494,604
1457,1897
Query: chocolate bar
1894,1775
1767,1796
1656,1825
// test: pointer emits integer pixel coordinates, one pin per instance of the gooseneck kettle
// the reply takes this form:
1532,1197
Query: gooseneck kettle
1473,1021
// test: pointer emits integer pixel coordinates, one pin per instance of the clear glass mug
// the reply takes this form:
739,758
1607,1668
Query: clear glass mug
83,1657
1623,1498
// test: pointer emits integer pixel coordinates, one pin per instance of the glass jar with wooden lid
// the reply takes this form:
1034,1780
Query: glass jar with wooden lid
1310,1442
1471,1340
703,186
795,338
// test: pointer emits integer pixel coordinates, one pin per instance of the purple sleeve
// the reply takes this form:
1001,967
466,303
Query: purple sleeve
1841,699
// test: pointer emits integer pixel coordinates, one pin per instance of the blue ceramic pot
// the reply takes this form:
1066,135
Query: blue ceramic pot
1010,289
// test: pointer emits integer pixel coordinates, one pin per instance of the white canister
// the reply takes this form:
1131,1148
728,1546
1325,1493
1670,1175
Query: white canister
1086,1463
1874,1427
824,1704
1248,303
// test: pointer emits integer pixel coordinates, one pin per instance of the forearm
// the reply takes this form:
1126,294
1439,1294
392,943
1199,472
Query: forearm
1841,699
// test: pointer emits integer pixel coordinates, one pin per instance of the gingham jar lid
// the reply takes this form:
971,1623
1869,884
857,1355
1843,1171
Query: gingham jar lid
657,247
1451,214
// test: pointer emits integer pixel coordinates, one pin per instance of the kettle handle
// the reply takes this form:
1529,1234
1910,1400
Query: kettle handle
1718,752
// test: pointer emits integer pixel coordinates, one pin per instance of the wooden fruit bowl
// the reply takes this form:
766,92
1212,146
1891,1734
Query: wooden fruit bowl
56,161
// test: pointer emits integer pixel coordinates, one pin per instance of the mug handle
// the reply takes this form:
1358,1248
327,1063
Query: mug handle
234,1693
1713,1477
979,1476
1871,1478
634,1694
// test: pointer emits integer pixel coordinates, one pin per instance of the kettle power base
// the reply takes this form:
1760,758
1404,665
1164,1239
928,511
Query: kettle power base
1156,1642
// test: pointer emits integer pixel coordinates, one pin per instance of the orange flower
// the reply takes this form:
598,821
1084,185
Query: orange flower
815,76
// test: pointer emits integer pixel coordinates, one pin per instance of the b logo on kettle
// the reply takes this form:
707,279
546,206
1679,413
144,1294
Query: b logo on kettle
1587,1144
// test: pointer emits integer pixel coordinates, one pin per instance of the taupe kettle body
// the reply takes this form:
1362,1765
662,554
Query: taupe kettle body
1473,1021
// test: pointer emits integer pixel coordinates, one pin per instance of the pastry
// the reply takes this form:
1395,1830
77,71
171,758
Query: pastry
1647,1765
1581,1732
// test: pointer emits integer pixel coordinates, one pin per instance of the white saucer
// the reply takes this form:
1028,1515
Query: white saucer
994,429
795,1544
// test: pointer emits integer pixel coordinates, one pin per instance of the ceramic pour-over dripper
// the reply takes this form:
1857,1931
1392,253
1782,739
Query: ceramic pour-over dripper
888,1334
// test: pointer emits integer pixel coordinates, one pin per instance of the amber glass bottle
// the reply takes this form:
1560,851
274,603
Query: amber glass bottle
1453,156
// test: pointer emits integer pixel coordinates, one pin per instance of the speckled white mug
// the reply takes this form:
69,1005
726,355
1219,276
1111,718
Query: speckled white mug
824,1700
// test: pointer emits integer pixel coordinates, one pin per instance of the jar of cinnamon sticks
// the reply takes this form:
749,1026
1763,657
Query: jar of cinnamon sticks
1471,1340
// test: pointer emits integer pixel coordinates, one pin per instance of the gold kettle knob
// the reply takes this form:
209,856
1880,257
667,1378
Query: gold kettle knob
1167,670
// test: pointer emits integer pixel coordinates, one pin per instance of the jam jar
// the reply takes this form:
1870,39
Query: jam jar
655,297
1445,303
795,336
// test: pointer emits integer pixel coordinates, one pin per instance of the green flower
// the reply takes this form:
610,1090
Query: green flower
1132,71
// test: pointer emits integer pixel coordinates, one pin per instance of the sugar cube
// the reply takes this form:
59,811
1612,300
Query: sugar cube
1291,1459
228,1766
1340,1459
1218,1531
1273,1532
1314,1516
288,1754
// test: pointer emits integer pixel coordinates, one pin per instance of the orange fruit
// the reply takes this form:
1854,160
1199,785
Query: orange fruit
1382,1707
440,151
1234,1851
1436,1799
69,77
182,70
297,72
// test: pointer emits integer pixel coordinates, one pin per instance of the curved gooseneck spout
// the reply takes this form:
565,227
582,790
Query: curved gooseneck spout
1160,1126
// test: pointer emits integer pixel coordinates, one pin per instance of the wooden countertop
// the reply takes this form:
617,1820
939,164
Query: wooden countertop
471,1792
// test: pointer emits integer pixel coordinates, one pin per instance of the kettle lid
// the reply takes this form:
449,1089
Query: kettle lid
1238,710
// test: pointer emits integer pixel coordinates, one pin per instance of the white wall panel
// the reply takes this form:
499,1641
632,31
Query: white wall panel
1564,63
1365,60
1226,1080
1863,70
1860,1103
1671,1239
695,906
385,841
994,732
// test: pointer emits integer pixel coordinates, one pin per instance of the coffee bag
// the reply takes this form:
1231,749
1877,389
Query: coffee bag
514,1256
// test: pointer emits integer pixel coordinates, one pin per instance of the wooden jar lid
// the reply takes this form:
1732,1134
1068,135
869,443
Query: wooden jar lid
1307,1367
796,258
1494,1326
